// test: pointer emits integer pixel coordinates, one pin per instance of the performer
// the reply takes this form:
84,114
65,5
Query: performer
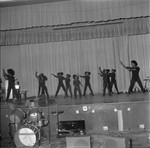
60,83
135,75
68,86
39,77
76,84
44,88
106,80
87,82
11,82
113,80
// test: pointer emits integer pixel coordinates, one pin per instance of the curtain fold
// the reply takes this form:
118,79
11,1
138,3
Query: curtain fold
42,34
77,56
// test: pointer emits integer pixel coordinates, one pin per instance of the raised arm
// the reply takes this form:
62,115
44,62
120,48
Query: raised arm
4,74
100,70
36,74
54,75
127,67
123,65
81,76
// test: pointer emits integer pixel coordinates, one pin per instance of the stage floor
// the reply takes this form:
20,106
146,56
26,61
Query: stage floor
41,101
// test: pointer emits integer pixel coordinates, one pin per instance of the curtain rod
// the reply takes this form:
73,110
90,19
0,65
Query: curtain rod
87,25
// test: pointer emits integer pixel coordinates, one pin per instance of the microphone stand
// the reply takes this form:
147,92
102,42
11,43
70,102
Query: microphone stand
48,120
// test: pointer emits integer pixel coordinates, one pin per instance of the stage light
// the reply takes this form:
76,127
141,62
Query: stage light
115,110
141,126
77,112
93,111
128,109
84,108
105,128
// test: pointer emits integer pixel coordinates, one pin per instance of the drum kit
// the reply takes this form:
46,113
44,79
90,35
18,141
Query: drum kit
27,128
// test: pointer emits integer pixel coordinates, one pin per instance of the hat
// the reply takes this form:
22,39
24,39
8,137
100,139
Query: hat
75,76
60,73
114,70
87,72
135,62
11,71
68,75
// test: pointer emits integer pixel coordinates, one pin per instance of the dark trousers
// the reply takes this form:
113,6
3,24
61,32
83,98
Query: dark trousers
132,83
106,85
44,90
58,88
90,88
68,88
115,84
77,90
40,91
9,90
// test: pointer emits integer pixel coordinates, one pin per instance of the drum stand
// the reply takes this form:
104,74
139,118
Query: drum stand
12,131
57,113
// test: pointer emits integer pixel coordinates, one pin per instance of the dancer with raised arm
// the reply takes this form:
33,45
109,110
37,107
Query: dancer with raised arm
11,82
60,83
106,80
77,83
40,91
68,86
113,80
42,86
87,82
135,75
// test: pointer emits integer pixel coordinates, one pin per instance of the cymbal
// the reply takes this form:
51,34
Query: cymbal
58,112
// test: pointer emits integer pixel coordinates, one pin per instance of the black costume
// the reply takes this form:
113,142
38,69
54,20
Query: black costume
106,80
135,76
11,82
60,83
42,87
68,86
87,83
76,84
113,80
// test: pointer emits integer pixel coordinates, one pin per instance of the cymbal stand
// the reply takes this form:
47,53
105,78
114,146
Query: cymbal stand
57,113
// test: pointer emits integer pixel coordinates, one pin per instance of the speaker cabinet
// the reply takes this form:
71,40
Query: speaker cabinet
78,142
100,141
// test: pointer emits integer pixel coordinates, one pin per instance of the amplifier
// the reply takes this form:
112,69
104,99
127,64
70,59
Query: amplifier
68,128
78,142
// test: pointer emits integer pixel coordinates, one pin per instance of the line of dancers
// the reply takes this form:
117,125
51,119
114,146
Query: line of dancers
109,80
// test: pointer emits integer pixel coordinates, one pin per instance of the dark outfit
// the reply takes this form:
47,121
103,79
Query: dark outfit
40,91
77,84
87,84
43,79
68,86
135,78
42,87
106,82
60,84
11,85
113,81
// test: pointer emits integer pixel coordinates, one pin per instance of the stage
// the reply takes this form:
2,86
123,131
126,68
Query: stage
97,111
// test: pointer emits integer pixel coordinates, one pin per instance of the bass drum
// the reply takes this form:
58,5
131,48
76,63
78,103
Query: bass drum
34,114
17,116
27,136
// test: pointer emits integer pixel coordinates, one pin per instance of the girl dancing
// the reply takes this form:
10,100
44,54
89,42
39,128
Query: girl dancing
135,75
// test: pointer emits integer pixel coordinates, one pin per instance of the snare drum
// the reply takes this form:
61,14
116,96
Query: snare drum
34,114
17,116
27,136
